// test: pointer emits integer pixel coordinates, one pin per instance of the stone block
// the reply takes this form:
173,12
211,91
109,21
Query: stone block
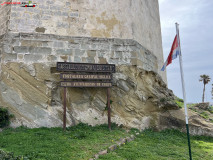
63,25
31,43
73,45
74,14
51,58
85,46
77,59
58,44
64,14
21,49
139,63
90,60
32,57
64,57
57,13
68,4
7,48
50,2
54,7
44,7
113,60
102,60
118,54
118,42
20,56
101,53
9,57
45,17
134,54
103,46
15,42
91,53
65,51
118,48
79,52
134,61
40,50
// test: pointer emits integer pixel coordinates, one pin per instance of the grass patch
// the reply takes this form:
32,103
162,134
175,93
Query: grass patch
78,142
204,115
165,145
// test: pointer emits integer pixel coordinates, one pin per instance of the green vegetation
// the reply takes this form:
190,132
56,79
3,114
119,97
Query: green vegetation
78,142
4,117
204,115
211,109
165,145
179,102
82,142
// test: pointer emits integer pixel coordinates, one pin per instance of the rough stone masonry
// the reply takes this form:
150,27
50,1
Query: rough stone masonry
122,32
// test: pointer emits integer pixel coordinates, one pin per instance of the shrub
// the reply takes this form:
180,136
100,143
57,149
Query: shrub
4,117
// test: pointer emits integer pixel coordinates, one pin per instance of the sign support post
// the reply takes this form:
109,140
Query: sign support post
65,108
109,108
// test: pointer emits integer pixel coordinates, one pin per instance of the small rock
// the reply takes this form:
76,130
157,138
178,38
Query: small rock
112,147
137,133
103,152
123,140
91,159
132,136
96,156
128,139
119,143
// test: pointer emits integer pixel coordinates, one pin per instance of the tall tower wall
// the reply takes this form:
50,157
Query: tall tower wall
124,19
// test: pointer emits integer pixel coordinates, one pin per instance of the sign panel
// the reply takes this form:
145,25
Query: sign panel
85,67
85,76
85,84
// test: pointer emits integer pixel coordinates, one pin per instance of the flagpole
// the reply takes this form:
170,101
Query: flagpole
183,89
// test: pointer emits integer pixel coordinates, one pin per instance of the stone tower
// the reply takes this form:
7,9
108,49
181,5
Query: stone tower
33,39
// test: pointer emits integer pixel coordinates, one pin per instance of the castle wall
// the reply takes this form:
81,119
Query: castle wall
43,48
4,16
124,19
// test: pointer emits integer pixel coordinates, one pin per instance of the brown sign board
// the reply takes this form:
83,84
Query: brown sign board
85,76
85,67
86,84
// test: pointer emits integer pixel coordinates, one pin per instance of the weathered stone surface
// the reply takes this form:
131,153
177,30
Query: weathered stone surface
176,119
76,49
31,93
203,106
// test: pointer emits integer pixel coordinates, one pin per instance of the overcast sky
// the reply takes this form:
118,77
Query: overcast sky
196,34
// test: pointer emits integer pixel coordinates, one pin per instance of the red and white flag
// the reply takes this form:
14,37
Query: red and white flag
175,51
